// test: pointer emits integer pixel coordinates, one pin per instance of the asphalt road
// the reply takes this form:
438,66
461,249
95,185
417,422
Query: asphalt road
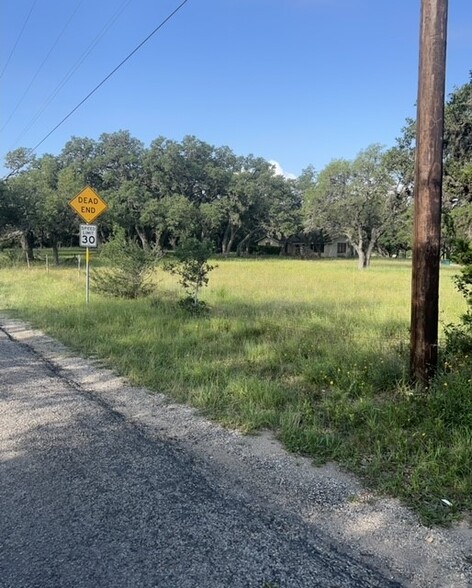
89,498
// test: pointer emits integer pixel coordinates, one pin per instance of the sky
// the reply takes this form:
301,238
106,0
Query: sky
297,82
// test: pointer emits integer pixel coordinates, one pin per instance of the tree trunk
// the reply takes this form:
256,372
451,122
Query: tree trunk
228,239
243,243
26,241
142,237
364,252
368,254
231,241
225,240
284,248
359,249
55,253
362,259
159,238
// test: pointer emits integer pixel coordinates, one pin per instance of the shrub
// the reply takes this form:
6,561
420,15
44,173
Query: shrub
129,270
192,267
459,337
268,250
12,257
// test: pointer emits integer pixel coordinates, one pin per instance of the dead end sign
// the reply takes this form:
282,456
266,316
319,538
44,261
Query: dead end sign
88,205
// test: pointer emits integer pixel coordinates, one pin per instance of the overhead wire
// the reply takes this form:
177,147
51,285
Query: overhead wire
20,34
72,71
38,71
104,80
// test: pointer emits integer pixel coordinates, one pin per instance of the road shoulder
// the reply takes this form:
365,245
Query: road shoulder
376,529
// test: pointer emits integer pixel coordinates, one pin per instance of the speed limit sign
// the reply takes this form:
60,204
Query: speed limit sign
88,235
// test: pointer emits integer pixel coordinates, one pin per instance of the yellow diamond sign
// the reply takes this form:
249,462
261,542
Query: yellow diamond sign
88,205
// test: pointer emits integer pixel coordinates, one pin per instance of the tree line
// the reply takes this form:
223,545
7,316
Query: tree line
171,190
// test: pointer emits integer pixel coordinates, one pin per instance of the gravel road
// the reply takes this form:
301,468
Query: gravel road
106,485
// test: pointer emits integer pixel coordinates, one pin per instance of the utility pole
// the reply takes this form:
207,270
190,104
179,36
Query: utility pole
428,190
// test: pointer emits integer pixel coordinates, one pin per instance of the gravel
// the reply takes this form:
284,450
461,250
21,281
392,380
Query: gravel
107,484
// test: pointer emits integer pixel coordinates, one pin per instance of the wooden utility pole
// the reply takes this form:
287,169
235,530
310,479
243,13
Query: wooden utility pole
428,190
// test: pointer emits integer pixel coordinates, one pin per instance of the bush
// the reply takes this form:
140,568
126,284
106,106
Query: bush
129,271
12,257
192,267
268,250
459,337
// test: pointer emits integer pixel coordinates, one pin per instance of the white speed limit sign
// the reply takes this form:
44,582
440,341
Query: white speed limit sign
88,235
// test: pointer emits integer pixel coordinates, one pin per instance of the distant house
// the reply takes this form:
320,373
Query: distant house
339,247
269,242
306,246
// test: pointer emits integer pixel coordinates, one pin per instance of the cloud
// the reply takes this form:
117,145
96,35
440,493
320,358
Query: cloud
279,171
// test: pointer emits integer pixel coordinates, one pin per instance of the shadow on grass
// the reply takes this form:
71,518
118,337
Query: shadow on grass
249,365
330,383
89,498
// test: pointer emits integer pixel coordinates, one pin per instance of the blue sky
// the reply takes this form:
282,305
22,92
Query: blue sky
298,82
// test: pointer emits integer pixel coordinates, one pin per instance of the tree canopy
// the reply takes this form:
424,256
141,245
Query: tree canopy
357,199
176,190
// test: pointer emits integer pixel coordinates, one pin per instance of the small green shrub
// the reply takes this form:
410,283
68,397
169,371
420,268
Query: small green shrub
267,250
192,267
198,308
459,337
129,270
12,258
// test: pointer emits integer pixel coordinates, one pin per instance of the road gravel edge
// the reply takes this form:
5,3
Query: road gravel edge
377,529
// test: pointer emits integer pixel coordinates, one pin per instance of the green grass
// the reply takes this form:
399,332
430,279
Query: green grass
317,351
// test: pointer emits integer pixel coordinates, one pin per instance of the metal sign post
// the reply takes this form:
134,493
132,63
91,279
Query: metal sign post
89,206
87,276
88,239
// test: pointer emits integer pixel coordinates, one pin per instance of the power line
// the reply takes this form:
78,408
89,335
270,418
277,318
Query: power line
72,71
92,92
18,104
20,34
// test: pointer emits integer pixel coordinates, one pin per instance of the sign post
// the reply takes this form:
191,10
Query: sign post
89,206
88,239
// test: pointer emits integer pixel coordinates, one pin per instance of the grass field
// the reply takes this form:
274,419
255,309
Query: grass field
316,351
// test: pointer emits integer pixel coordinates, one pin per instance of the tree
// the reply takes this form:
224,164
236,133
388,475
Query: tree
18,159
357,199
396,240
80,156
458,131
43,215
8,213
170,219
284,209
192,168
119,159
246,204
128,204
192,267
56,222
22,205
130,268
457,182
189,181
306,180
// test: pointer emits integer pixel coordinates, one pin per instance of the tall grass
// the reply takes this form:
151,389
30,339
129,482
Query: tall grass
314,350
